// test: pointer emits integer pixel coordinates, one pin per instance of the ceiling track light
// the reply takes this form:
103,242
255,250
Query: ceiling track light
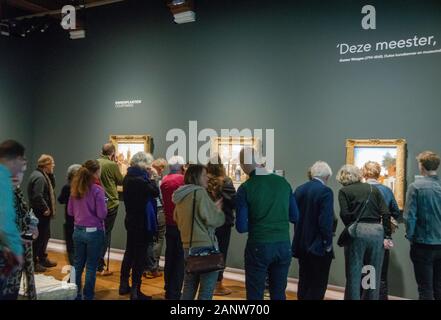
182,10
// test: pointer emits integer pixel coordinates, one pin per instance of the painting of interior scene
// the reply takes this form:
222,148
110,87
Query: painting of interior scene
228,148
124,154
385,156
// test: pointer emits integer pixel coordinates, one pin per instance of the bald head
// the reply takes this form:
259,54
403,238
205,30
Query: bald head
108,149
247,158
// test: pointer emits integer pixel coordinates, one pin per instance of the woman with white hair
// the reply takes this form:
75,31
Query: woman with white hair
362,210
139,194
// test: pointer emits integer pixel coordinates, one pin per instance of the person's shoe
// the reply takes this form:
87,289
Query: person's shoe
220,290
38,268
105,273
136,294
124,287
48,263
152,274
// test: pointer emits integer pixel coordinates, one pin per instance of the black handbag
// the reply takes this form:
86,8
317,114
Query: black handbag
206,262
350,231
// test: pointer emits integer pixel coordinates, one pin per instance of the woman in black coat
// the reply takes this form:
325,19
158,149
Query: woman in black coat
220,186
141,222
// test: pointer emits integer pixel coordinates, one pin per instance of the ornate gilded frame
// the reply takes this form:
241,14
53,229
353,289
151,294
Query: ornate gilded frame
400,144
116,140
254,142
119,139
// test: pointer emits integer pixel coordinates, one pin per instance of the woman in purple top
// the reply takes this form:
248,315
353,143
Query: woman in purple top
87,205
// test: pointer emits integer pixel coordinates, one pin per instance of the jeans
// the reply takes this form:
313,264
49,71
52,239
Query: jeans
44,234
427,265
267,259
87,252
206,282
135,255
223,235
155,248
174,264
109,223
366,249
313,276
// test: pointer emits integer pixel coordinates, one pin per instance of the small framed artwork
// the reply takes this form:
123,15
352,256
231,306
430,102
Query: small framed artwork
389,153
127,145
228,148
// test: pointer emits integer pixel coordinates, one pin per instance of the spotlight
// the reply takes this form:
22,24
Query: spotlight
44,28
5,29
182,11
77,34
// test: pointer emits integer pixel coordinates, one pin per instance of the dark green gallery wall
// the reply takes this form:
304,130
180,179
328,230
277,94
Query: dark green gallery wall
243,64
16,92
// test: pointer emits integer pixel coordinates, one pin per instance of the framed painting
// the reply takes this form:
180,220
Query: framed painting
389,153
127,145
228,148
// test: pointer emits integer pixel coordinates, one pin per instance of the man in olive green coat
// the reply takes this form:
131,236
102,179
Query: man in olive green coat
111,178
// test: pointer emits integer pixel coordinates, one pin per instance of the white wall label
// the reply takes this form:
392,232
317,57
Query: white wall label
127,103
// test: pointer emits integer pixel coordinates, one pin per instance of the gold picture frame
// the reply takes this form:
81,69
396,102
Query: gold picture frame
390,153
228,149
126,146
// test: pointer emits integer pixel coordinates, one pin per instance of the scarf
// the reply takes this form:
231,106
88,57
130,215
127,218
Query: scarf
50,184
151,209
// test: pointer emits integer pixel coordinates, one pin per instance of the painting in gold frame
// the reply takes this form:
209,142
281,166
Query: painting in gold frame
389,153
127,145
228,148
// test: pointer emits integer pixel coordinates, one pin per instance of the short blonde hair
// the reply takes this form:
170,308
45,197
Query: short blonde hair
371,170
160,163
429,160
349,174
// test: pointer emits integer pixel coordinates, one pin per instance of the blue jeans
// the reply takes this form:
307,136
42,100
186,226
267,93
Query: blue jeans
88,246
206,283
267,259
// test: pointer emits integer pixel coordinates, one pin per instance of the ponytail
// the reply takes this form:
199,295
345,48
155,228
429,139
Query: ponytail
83,179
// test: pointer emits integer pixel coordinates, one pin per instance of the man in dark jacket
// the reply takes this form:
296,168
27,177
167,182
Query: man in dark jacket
312,243
42,201
111,178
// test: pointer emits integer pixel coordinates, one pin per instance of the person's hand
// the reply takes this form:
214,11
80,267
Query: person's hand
219,203
34,231
388,244
47,213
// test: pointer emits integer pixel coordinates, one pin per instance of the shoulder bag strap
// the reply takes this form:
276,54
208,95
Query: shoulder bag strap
193,218
362,210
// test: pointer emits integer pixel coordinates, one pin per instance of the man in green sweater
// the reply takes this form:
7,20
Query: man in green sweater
265,206
111,178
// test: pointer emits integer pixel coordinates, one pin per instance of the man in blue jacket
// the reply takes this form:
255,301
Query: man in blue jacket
313,234
423,226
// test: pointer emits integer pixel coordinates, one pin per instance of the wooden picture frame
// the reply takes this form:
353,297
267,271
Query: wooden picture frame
393,153
126,146
228,148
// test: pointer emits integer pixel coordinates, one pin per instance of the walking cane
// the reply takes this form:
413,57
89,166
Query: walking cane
108,252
